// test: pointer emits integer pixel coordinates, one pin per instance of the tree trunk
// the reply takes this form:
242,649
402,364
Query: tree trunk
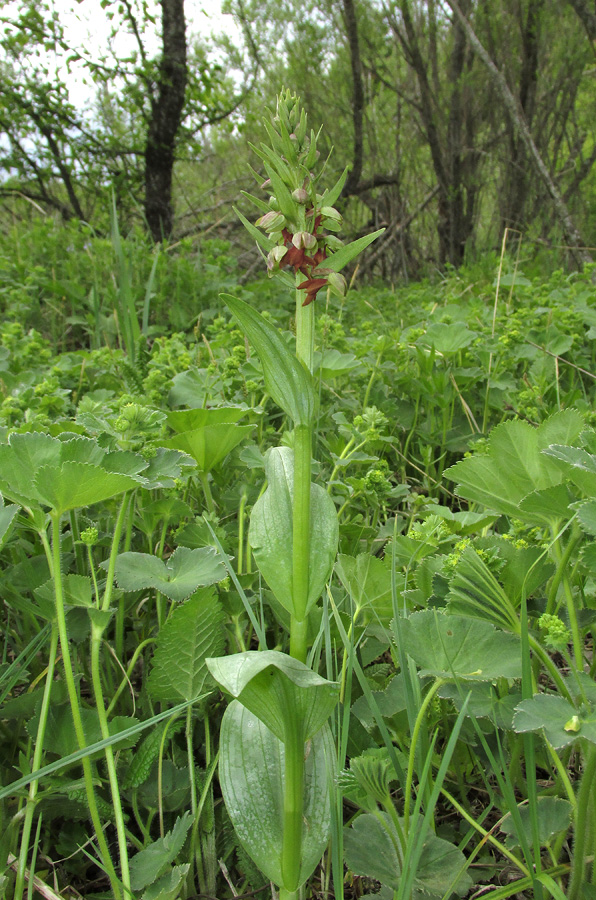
516,115
166,116
586,11
351,23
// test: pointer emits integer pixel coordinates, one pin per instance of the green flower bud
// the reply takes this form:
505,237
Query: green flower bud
271,221
300,195
90,536
304,240
330,212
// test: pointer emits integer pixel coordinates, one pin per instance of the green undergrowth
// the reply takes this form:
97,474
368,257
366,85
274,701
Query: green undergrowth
454,434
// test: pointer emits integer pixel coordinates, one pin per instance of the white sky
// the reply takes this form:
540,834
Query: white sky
87,26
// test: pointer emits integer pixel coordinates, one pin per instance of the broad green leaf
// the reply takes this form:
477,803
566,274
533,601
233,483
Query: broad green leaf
346,254
64,473
73,485
181,420
271,531
553,815
149,864
560,721
474,591
77,591
586,516
288,382
178,578
278,689
367,579
333,364
209,444
251,774
192,632
458,647
164,468
447,339
577,464
514,465
369,847
60,736
549,506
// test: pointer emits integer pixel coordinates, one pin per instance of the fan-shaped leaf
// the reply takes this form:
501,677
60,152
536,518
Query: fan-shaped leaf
178,578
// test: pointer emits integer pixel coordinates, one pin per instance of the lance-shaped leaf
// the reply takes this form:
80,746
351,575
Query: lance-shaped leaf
346,254
254,232
330,196
192,632
271,531
287,380
178,578
514,465
208,435
251,775
278,690
562,723
457,647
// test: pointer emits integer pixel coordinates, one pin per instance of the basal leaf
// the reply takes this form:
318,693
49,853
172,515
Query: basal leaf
178,578
251,774
271,531
368,582
7,514
288,382
278,689
577,464
192,632
456,647
447,339
168,886
474,591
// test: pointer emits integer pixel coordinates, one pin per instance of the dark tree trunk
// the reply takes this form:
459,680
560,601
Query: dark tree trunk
586,10
351,23
166,115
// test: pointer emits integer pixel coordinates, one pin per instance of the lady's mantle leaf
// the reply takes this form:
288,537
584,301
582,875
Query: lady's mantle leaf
459,647
560,720
192,632
178,578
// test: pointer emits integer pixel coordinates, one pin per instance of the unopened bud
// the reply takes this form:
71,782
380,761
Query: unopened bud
300,195
275,256
304,240
266,184
333,242
337,283
330,212
271,221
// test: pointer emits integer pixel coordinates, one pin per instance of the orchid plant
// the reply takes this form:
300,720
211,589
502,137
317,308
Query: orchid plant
276,748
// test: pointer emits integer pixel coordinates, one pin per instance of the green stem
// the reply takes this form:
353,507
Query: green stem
301,522
580,831
293,802
412,757
209,502
37,757
107,597
75,708
562,560
96,638
241,509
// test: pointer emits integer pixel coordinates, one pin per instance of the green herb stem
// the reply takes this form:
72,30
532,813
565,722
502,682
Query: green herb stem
293,805
580,830
96,639
412,757
37,757
75,708
301,521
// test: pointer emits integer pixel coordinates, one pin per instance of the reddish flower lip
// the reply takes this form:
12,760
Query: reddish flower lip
312,286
